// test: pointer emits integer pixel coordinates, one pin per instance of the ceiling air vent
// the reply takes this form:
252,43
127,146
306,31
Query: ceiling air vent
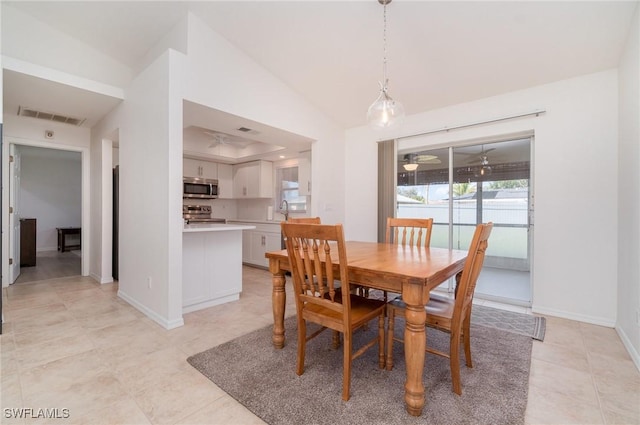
248,130
49,116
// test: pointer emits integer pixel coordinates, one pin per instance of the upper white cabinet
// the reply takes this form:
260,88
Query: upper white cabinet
304,174
199,168
253,180
225,181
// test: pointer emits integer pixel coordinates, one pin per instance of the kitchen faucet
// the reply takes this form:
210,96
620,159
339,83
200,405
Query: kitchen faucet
284,211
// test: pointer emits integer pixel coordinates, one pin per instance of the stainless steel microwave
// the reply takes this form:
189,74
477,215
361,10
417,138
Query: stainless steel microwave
195,187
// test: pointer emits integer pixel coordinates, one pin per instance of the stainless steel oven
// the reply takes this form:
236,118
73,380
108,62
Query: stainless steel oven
195,187
199,214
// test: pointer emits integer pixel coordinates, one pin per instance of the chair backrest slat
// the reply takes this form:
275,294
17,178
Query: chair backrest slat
318,260
472,267
304,220
409,231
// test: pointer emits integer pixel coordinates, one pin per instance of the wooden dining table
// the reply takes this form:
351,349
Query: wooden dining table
408,270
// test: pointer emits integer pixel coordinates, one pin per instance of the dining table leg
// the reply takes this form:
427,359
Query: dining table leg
278,300
415,339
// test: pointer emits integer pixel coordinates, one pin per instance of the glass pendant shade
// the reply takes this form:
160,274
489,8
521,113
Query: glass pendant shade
411,167
485,170
385,112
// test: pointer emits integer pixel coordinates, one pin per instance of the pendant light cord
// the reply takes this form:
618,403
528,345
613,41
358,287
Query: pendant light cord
384,48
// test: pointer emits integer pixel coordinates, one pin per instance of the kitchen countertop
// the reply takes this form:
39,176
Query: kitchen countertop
213,227
239,220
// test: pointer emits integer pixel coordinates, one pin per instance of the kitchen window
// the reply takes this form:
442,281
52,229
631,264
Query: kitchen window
287,186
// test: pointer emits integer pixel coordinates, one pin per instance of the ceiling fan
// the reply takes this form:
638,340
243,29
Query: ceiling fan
225,139
482,157
413,160
484,169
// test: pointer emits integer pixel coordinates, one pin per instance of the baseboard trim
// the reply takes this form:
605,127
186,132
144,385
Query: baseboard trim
601,321
635,356
167,324
101,280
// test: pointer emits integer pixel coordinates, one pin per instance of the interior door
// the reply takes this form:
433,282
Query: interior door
14,216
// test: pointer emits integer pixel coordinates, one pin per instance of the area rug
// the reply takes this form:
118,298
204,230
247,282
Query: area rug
523,324
263,379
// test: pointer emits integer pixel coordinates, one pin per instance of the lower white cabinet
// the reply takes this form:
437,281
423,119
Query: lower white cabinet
258,241
211,268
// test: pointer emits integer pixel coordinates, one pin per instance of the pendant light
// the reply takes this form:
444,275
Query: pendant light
385,112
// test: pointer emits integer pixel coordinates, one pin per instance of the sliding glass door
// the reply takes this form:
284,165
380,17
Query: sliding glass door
463,186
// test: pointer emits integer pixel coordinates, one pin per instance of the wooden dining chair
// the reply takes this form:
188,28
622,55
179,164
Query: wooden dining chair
405,231
450,315
318,259
304,220
409,231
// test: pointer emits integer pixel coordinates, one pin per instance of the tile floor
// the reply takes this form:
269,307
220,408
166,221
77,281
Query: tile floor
70,343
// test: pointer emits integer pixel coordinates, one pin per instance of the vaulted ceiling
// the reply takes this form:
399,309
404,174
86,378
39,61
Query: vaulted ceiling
439,52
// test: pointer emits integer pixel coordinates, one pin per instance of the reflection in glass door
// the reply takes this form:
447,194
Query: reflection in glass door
462,186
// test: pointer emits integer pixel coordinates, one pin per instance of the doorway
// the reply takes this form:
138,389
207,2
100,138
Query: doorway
461,186
46,193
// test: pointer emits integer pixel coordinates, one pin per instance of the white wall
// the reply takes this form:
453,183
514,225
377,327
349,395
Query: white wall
575,175
51,192
629,194
30,40
222,77
150,155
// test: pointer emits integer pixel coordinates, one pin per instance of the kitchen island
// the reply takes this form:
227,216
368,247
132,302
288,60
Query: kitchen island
211,264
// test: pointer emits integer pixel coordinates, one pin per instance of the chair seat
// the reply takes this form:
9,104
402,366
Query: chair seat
438,305
362,311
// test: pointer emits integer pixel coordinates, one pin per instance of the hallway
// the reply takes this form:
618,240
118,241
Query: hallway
52,265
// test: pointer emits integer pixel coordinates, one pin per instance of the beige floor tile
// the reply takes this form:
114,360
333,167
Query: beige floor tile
123,412
613,418
561,355
11,392
157,366
176,397
62,374
55,316
564,332
8,359
622,404
563,381
123,333
40,354
599,339
104,320
546,407
82,397
33,313
87,307
90,292
38,335
126,354
226,411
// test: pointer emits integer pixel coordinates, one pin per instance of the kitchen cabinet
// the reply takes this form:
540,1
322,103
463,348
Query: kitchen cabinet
304,174
256,242
253,180
261,243
211,265
199,168
225,181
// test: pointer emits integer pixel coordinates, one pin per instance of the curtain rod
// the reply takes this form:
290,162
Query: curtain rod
446,129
